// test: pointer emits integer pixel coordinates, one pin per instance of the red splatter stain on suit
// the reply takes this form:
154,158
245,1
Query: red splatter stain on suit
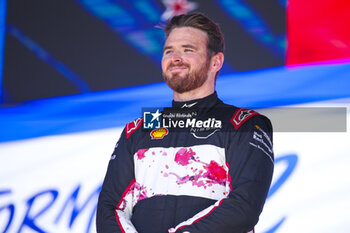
183,156
141,153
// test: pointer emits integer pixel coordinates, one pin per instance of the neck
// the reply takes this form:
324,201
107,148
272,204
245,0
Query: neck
206,89
191,95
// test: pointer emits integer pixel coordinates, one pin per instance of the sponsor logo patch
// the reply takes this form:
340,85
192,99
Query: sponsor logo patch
132,126
188,105
242,115
159,133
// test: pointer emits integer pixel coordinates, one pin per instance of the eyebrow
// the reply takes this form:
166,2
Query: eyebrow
184,46
189,46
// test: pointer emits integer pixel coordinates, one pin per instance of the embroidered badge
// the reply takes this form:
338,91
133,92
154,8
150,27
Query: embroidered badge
132,126
242,115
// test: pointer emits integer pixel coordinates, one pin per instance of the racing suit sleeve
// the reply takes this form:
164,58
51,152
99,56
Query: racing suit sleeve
250,160
114,207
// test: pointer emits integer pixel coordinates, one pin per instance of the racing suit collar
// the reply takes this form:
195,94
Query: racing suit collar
205,102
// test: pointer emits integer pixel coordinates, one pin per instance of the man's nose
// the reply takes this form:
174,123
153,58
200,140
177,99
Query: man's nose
176,58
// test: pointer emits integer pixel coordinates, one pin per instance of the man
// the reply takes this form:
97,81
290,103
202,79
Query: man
212,178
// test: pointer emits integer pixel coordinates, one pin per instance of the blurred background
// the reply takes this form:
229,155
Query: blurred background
74,72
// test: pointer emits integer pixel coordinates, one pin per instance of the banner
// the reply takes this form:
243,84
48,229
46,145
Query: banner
51,183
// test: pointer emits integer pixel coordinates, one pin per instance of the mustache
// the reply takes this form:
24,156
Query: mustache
171,65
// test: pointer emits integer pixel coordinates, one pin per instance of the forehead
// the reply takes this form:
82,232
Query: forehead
187,35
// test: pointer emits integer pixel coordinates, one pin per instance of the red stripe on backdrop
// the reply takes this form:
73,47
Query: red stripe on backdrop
318,31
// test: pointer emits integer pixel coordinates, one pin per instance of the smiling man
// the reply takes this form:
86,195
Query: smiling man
191,60
214,176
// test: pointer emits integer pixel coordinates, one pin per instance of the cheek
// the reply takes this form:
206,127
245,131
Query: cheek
194,61
164,64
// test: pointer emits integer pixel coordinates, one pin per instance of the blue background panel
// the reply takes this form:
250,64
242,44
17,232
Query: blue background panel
259,89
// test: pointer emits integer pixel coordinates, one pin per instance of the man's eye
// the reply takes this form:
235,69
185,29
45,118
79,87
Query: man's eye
188,50
168,51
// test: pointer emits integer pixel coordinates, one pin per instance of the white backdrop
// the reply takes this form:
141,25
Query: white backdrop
51,184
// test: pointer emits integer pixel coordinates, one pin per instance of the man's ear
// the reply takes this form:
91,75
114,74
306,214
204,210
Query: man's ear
217,61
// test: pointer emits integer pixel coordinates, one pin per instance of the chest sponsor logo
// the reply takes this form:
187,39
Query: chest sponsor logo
203,134
159,133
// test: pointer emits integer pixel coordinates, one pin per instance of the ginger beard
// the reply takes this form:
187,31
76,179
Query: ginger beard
193,79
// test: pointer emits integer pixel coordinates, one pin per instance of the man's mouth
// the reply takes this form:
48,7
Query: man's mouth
177,68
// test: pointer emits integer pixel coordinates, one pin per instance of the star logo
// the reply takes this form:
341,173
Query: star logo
177,7
152,119
156,115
